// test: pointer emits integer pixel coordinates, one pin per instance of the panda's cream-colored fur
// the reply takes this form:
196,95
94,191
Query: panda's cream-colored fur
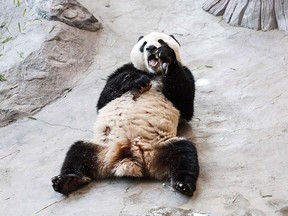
137,125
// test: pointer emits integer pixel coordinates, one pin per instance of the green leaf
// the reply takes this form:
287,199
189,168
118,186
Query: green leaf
2,78
24,12
18,3
6,40
208,66
21,54
19,27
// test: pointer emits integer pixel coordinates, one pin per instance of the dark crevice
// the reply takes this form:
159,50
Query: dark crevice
241,14
232,13
274,15
211,6
221,12
260,17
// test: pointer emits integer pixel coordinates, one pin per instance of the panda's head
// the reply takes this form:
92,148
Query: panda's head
143,53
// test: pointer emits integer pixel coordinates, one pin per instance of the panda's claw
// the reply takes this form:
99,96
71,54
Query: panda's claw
183,188
142,84
145,88
167,57
56,181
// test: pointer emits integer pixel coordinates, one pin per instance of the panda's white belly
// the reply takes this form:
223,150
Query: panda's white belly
148,118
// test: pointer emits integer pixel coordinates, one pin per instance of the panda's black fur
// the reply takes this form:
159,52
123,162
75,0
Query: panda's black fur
135,132
178,87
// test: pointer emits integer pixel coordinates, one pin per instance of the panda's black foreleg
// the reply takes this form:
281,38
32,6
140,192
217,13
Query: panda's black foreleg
123,80
78,169
180,157
178,81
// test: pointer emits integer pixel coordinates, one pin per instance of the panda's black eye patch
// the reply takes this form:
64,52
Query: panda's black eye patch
162,42
142,47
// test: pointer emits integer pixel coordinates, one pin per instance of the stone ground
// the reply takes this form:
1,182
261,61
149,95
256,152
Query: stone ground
240,124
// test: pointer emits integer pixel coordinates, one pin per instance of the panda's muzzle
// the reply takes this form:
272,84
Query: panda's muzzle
155,61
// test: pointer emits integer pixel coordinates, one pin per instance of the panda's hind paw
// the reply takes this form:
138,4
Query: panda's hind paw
183,188
66,183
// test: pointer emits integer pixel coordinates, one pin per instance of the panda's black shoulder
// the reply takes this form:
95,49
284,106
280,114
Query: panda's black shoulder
123,68
126,69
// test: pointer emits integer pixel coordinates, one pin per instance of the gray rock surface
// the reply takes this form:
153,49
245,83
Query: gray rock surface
240,124
70,12
255,14
48,72
74,14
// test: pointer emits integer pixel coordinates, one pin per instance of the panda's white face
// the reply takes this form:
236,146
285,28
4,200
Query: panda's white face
142,54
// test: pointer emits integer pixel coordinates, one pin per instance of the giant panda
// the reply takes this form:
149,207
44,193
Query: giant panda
136,127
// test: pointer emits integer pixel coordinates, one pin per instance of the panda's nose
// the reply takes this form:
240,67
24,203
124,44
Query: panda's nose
151,48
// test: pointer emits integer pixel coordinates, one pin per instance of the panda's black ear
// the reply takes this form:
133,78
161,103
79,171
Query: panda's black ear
175,39
140,37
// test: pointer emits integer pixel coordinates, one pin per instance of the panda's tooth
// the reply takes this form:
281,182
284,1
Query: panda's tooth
165,67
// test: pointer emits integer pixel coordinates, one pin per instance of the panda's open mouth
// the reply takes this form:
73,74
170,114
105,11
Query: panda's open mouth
157,64
153,61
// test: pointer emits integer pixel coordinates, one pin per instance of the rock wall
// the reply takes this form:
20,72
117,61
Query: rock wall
255,14
70,12
48,72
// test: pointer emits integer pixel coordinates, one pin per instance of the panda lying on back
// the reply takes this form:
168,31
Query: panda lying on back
135,131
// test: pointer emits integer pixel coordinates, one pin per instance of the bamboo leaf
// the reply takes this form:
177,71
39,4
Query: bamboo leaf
208,66
19,27
6,40
2,78
21,54
24,12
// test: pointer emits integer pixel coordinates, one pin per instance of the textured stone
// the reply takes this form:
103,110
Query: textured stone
235,11
251,17
74,14
171,212
47,73
70,12
268,20
281,11
217,11
255,14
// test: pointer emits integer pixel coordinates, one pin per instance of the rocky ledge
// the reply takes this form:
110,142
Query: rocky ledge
60,57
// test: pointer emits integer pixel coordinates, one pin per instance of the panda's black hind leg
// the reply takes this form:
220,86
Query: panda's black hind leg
180,157
79,168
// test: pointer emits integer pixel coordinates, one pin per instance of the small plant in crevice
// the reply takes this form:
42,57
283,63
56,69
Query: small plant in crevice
12,24
2,78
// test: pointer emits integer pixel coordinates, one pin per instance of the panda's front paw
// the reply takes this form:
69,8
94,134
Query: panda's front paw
142,84
167,57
